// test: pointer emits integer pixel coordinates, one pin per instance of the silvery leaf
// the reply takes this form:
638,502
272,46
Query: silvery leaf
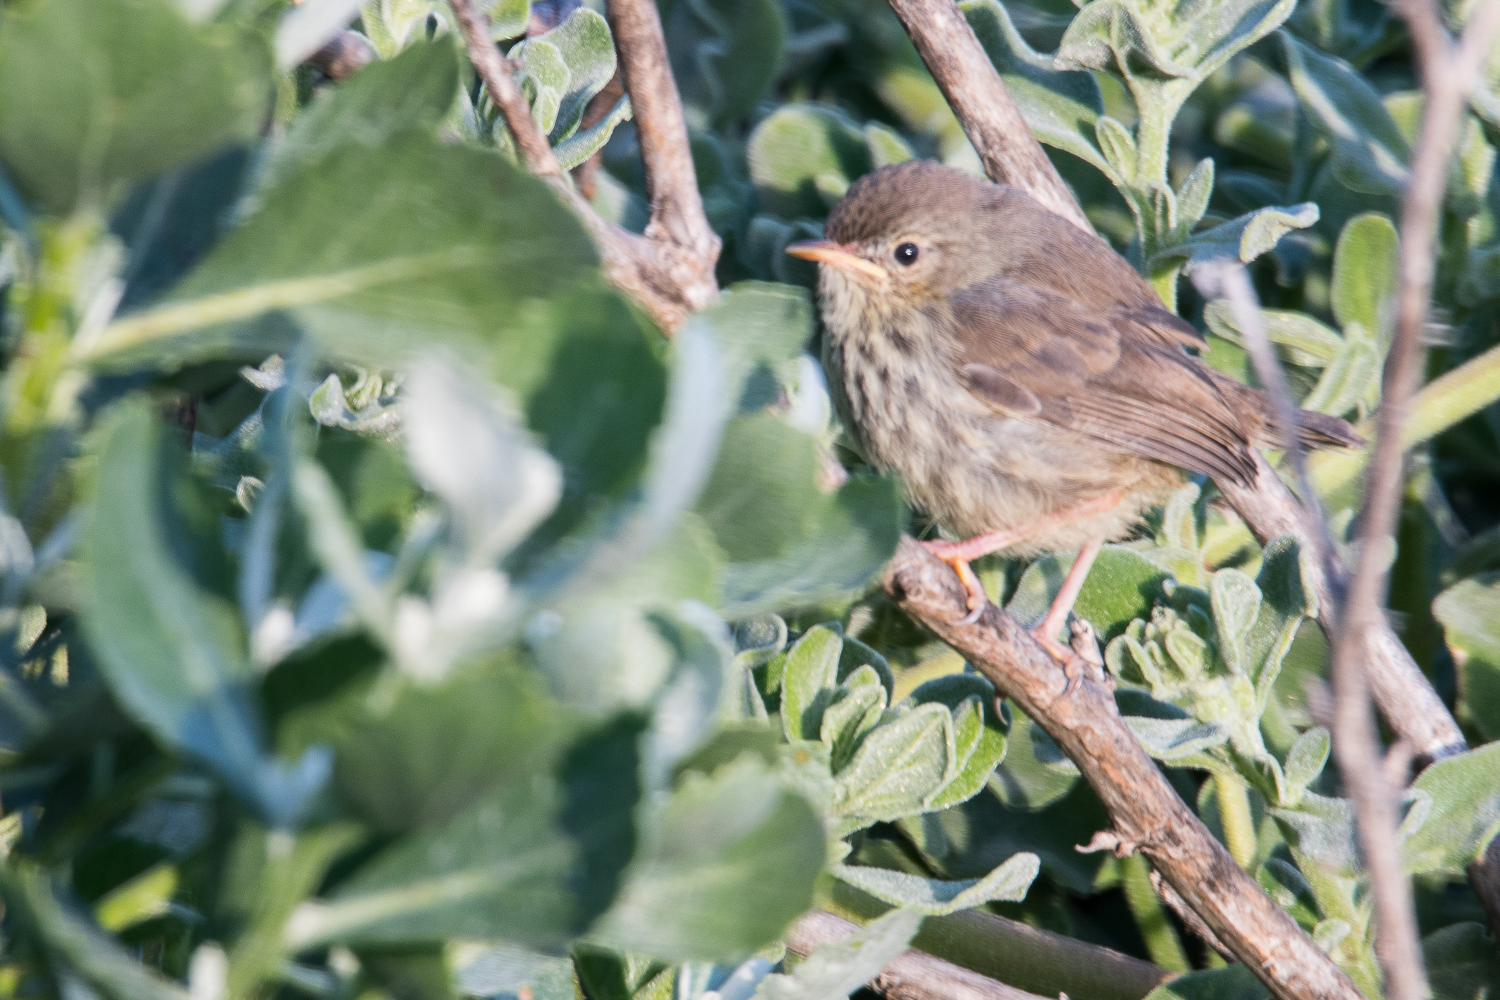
937,898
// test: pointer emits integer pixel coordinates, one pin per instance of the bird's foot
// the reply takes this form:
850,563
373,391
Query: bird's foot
1072,664
1080,658
954,554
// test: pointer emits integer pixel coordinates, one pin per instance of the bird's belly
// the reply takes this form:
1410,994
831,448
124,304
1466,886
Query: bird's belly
975,471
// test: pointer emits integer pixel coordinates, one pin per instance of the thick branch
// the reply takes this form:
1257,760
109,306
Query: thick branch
984,107
1146,813
1446,77
669,271
913,975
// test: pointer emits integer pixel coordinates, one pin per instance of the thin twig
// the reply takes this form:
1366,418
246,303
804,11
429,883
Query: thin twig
669,271
912,975
1145,812
984,107
1447,72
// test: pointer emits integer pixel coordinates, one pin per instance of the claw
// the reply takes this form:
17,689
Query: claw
974,595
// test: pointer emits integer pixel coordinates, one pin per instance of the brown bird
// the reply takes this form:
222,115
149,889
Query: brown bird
1024,381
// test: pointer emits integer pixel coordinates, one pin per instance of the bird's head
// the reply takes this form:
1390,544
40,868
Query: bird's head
913,231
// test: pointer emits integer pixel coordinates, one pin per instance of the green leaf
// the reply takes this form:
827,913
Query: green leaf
413,91
1236,604
1242,239
839,968
1061,106
412,755
1285,884
730,862
725,55
336,252
1286,598
534,860
1121,586
979,735
78,947
936,898
1370,155
1470,614
886,146
504,968
1465,812
581,145
1234,982
173,653
587,52
1176,739
1364,271
1305,761
97,92
1106,33
898,768
1348,379
807,684
802,156
1308,342
1461,962
1192,197
855,710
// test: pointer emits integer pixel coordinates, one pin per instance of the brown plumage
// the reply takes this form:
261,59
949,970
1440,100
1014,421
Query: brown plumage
1011,367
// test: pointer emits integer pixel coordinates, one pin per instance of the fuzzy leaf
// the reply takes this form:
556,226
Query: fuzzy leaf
807,684
1465,812
1364,271
1242,239
1347,380
979,735
1305,760
1061,106
835,970
936,898
1308,343
1370,155
1470,614
1236,604
898,768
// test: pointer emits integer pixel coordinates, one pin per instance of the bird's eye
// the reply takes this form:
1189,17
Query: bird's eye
906,254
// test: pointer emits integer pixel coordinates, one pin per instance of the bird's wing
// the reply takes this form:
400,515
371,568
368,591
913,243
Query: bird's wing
1039,356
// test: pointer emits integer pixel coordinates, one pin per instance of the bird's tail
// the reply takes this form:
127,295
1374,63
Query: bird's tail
1319,430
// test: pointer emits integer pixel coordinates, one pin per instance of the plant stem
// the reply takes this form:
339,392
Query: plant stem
1233,797
1162,943
1453,397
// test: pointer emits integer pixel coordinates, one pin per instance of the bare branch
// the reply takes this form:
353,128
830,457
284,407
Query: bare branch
1447,72
984,107
913,975
1146,813
669,271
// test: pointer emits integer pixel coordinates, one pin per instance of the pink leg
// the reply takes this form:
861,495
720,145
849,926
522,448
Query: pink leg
958,555
1062,604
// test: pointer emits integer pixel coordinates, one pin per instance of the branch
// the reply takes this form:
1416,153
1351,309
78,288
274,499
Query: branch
1191,920
913,975
978,97
1447,73
1145,813
669,271
1024,957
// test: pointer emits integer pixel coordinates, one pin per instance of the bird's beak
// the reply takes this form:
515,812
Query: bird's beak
835,255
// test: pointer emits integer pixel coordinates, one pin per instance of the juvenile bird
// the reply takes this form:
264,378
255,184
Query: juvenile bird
1022,378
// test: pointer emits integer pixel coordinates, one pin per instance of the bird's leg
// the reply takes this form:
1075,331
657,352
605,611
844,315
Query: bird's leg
1062,606
959,554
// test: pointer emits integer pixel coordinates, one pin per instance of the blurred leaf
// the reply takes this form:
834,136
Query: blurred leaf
78,947
935,898
1308,342
1305,761
413,91
505,968
835,970
725,55
1470,614
174,654
1369,153
1364,271
1347,380
335,252
1461,962
729,863
534,860
96,92
1465,814
1108,32
803,156
1234,982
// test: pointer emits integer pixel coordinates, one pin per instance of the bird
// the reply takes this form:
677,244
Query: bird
1024,381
